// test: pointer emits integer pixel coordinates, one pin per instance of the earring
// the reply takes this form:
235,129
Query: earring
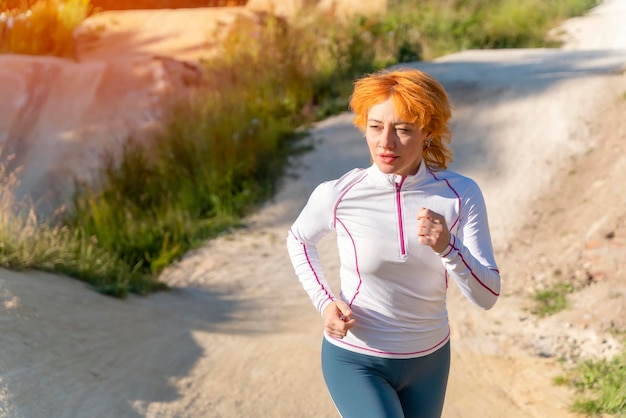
427,143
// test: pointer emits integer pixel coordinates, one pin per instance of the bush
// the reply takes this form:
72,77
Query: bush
219,154
42,27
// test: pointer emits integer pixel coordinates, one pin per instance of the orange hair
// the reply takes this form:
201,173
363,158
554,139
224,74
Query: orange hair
419,99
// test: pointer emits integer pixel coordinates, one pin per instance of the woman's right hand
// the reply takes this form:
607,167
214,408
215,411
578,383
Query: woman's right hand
337,319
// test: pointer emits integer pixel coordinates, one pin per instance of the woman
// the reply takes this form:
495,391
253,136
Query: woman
404,227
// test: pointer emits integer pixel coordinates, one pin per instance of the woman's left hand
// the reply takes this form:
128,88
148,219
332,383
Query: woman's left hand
432,230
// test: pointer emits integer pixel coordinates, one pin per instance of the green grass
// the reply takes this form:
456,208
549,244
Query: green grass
27,242
552,300
440,27
220,154
600,386
222,150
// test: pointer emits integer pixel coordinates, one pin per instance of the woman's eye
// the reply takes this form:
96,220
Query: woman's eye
376,127
403,130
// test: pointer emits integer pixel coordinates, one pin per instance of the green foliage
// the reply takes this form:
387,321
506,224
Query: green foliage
221,152
441,27
552,300
29,242
600,386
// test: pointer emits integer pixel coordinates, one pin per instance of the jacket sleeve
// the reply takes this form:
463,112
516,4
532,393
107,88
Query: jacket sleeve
315,221
469,258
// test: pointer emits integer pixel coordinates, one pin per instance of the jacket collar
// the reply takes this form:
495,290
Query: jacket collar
389,181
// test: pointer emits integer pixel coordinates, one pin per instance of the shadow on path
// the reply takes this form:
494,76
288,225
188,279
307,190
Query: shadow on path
67,350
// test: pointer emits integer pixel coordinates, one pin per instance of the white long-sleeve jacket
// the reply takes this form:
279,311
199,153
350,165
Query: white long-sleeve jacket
395,286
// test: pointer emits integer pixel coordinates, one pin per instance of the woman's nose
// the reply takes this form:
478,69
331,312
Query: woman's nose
387,139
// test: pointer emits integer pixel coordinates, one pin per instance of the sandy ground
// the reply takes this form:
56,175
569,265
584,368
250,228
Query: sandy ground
543,133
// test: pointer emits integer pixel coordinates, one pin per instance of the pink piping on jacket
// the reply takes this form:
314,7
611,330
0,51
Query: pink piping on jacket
356,263
493,292
458,198
341,198
400,215
453,243
443,341
306,253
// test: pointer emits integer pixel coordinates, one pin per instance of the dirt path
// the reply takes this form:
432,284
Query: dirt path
237,336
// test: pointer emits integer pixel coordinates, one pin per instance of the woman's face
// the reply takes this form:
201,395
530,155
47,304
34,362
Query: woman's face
395,145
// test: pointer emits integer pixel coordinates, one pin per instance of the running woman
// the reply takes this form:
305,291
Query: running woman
406,226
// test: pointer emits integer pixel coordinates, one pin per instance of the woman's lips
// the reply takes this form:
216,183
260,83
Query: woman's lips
387,158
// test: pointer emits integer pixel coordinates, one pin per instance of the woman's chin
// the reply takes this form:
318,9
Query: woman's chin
386,168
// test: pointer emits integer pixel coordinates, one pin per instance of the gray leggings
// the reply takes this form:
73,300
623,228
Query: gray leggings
364,386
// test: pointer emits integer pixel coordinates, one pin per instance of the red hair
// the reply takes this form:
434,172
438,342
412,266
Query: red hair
419,99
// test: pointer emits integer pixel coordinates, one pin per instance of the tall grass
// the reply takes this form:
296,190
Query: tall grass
440,27
27,242
219,154
223,147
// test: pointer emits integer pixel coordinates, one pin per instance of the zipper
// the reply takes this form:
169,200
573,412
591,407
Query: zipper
400,217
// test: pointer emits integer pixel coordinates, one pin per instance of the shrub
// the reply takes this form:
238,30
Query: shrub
220,152
42,27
